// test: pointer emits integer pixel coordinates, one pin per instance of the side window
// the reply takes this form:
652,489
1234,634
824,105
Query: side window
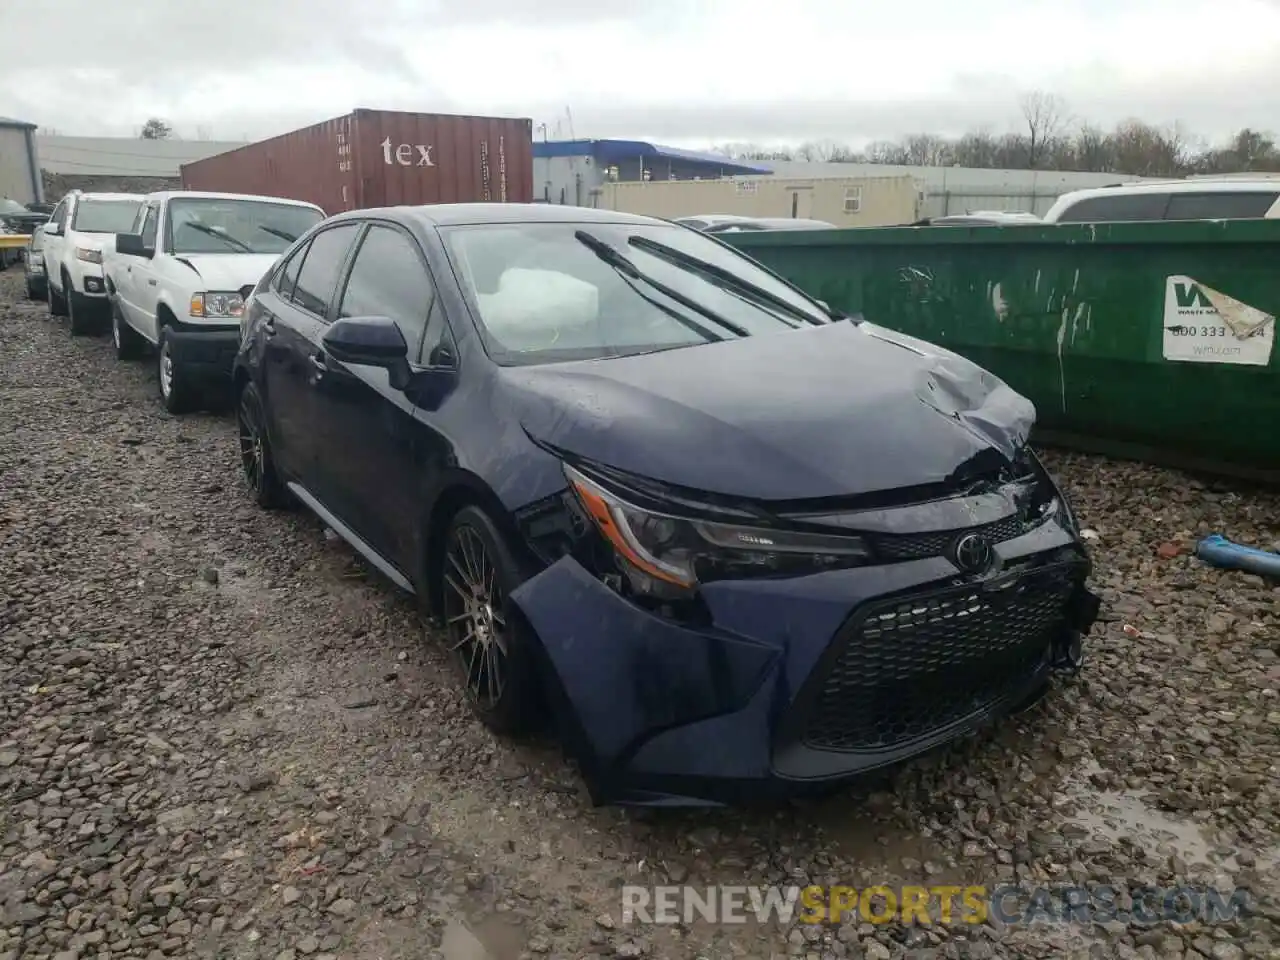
318,278
150,220
389,279
1122,206
287,275
59,213
1220,205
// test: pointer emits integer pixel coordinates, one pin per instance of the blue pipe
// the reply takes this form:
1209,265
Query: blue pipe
1216,550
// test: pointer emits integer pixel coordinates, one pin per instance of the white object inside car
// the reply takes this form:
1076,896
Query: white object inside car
532,309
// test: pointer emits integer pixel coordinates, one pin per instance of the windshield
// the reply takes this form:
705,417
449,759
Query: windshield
542,295
236,226
105,216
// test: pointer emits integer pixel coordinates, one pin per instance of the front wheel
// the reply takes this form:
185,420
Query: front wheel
57,302
178,393
491,647
255,451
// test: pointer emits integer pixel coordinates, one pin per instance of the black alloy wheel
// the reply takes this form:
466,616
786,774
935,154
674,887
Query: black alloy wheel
489,646
255,451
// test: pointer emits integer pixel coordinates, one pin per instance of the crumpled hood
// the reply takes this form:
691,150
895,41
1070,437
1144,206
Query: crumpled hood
227,272
838,410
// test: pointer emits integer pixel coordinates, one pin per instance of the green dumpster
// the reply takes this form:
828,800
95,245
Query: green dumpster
1152,340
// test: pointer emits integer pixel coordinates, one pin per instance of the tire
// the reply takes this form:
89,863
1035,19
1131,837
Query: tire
126,340
502,636
177,393
265,485
34,294
57,303
82,322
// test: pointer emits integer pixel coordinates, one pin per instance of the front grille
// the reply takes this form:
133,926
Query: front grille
918,546
903,668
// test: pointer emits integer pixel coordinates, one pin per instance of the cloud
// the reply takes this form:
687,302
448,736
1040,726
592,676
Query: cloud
671,70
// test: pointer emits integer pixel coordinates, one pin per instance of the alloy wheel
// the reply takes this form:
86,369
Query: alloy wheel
252,453
474,616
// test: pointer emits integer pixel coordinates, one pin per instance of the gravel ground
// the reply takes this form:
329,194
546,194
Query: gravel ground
221,736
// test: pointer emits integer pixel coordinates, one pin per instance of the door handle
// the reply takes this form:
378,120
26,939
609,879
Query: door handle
320,364
269,326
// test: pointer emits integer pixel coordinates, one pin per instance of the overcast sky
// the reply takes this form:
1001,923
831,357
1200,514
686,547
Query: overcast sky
685,72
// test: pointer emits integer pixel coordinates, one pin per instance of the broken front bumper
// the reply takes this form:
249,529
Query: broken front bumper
800,681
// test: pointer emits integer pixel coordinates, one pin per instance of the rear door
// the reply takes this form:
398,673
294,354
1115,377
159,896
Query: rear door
295,315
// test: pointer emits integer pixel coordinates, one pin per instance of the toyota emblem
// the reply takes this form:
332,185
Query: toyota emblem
972,553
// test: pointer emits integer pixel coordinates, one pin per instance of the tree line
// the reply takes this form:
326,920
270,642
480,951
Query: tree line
1050,138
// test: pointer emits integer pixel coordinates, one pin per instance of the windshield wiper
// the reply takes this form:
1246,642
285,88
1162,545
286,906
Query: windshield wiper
620,262
722,278
276,232
220,234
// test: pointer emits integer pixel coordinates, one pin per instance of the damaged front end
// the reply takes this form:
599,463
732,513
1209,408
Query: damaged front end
704,648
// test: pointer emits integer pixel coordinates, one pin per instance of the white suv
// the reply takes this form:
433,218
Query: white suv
81,231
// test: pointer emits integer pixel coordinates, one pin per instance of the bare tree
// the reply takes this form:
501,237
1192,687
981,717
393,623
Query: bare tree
1044,115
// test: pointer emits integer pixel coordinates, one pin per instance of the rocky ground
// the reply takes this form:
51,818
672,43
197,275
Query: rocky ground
221,736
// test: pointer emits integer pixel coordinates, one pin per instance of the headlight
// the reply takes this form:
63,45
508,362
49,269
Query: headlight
223,306
88,255
680,552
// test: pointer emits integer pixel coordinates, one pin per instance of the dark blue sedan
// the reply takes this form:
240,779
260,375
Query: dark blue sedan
729,541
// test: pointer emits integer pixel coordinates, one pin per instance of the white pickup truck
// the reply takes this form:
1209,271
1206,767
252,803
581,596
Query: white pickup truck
179,279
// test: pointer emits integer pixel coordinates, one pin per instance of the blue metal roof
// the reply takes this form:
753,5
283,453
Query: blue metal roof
611,151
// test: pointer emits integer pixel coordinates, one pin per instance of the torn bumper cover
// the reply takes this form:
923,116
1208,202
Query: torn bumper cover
802,681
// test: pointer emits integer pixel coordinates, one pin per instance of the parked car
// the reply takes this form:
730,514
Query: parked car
728,540
33,267
768,223
79,234
980,218
178,277
1255,197
15,221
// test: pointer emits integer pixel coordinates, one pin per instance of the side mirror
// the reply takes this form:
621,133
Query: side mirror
823,304
132,245
51,230
370,342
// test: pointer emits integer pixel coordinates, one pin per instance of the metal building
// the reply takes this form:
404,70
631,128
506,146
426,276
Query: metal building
574,172
19,162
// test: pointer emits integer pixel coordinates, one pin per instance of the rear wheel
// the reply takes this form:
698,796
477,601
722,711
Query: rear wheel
490,645
255,451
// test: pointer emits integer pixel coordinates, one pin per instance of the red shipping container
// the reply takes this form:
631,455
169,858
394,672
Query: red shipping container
380,158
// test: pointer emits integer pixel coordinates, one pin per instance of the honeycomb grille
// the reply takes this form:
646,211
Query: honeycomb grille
908,667
918,546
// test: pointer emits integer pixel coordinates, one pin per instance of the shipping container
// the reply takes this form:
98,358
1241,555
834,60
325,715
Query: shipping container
380,158
1150,340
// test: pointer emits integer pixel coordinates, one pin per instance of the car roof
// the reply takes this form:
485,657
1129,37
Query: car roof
1195,185
458,214
212,195
85,195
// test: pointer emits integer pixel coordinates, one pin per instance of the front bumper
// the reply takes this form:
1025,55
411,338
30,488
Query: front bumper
800,682
207,351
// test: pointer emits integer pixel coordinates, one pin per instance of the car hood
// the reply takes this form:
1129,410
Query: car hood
225,272
839,410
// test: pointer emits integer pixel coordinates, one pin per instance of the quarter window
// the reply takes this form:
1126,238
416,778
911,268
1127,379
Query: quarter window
287,276
1131,206
1220,205
150,221
390,279
318,278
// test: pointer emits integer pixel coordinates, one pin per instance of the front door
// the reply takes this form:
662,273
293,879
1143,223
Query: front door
372,450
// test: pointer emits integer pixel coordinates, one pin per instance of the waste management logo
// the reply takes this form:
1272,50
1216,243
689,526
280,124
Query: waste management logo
946,905
1203,325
